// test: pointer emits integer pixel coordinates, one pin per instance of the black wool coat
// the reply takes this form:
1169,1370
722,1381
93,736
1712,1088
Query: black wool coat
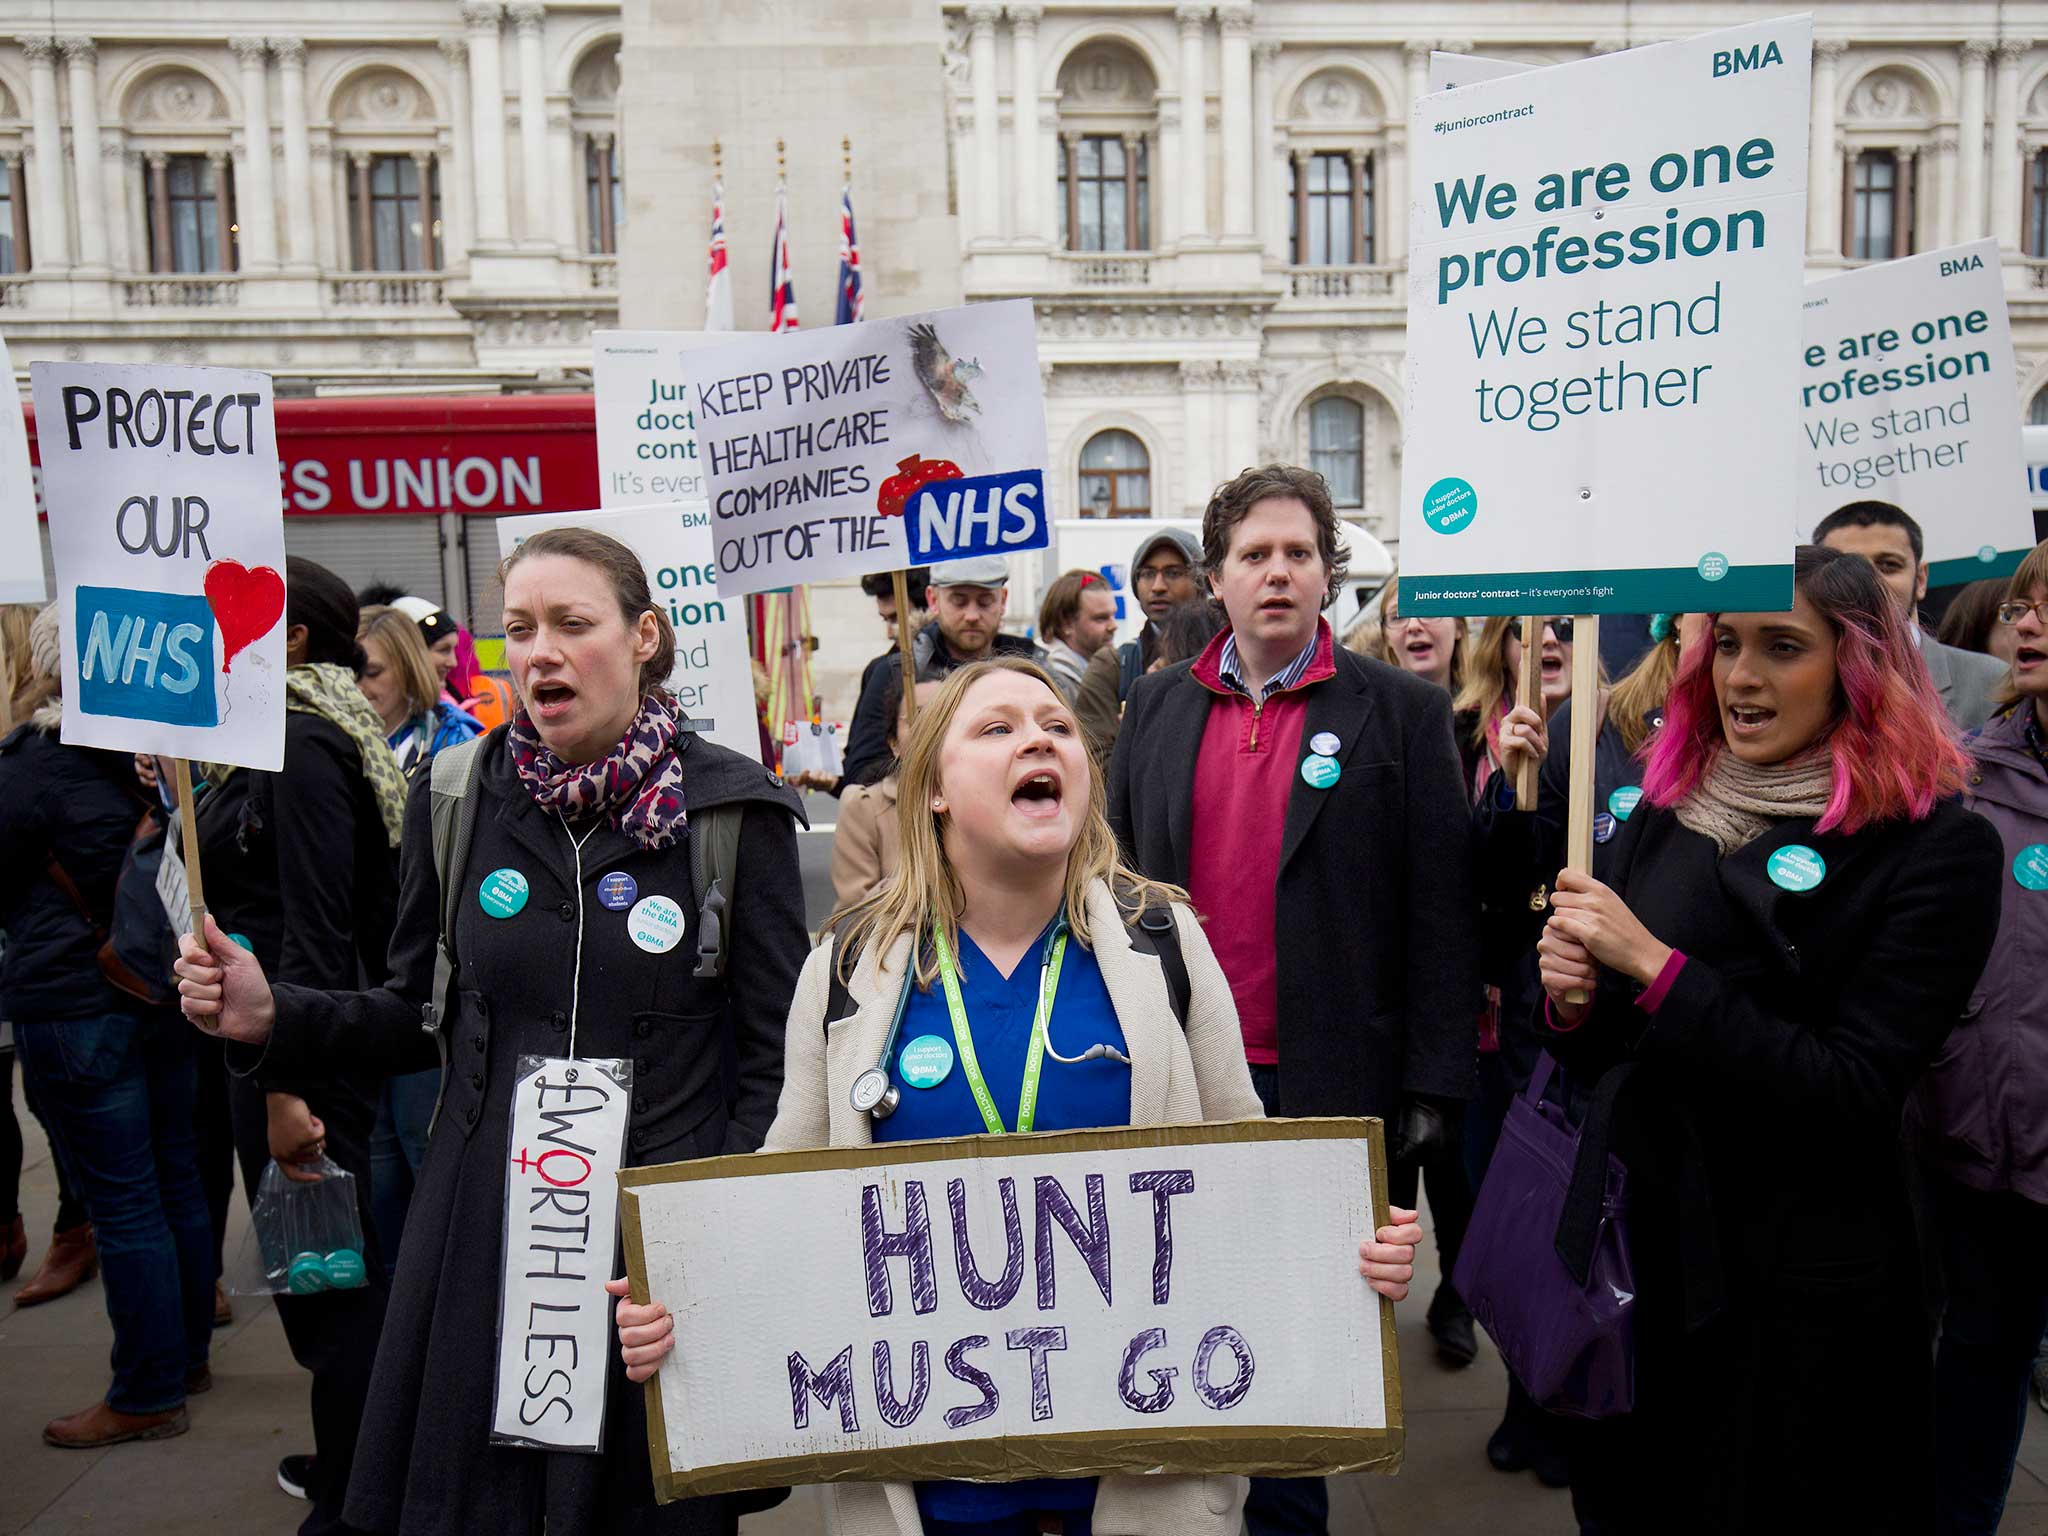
1783,1357
1374,912
707,1065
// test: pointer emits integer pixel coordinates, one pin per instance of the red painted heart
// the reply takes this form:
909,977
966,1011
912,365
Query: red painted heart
246,605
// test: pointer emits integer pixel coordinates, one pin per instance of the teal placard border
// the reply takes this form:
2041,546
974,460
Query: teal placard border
1950,573
1680,589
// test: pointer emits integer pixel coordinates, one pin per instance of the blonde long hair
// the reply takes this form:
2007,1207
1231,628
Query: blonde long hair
925,893
1645,688
1489,686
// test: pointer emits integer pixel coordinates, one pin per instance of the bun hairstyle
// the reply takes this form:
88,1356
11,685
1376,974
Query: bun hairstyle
317,598
628,579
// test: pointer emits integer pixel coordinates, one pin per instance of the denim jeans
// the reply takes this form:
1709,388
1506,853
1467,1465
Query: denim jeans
116,1092
1994,1251
398,1146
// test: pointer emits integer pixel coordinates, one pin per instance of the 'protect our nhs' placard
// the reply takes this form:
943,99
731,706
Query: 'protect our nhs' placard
1604,288
167,532
871,447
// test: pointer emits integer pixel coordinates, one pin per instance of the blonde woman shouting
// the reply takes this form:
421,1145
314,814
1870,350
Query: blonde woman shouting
1012,976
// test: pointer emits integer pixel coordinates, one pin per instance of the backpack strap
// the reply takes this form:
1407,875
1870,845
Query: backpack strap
1129,668
714,866
1156,933
839,1002
452,787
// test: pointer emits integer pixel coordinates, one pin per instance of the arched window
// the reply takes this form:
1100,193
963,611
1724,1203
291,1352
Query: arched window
1102,170
1888,126
1116,476
1334,129
182,199
386,142
14,247
1336,448
594,114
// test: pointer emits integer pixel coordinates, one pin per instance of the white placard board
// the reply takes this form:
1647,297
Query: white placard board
21,550
1598,331
710,679
1448,71
871,447
1003,1307
167,532
1907,395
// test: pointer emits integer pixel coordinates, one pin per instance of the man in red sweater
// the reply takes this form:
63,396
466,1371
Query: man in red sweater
1311,803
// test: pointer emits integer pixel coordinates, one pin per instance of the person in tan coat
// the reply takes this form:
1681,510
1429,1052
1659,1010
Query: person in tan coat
1006,857
864,840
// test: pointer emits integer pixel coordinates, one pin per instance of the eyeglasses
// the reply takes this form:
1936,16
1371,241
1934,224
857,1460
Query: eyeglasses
1562,627
1165,575
2012,613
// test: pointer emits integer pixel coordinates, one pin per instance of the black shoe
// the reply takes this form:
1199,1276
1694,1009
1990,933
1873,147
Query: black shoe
1457,1344
1553,1466
293,1474
1508,1448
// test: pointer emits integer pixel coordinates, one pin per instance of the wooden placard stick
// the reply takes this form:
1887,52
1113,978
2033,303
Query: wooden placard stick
188,825
901,585
1529,695
1585,734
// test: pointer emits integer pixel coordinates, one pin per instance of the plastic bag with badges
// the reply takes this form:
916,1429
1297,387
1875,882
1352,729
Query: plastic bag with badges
304,1237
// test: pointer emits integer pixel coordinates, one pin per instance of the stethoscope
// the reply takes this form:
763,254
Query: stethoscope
875,1093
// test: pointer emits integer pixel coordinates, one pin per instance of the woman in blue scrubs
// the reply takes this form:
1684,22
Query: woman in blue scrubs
1036,1000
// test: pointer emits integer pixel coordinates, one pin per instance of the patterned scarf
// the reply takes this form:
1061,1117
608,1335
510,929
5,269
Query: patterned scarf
325,689
638,784
1736,802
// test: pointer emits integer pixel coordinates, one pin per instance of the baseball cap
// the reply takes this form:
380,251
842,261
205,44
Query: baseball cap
984,571
1189,546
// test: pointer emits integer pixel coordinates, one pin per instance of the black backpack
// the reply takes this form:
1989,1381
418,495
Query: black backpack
1155,933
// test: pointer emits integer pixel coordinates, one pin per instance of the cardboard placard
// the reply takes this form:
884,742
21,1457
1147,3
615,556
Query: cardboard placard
1594,321
1906,395
1175,1298
710,679
871,447
168,535
1449,71
21,551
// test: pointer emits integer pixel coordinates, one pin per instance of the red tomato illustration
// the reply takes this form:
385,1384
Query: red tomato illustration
912,474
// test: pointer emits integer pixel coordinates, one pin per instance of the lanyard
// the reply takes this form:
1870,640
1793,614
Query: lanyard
963,1034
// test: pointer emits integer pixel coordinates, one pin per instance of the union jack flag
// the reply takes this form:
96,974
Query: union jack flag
850,300
718,297
781,283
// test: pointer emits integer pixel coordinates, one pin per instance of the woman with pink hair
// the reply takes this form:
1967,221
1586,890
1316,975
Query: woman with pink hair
1796,914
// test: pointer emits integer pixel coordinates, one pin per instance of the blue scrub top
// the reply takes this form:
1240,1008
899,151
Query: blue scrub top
1000,1010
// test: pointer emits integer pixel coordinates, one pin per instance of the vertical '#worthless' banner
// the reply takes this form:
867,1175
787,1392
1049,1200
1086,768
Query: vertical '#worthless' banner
1603,291
167,528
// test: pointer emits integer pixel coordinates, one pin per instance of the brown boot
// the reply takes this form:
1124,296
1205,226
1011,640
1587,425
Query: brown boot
99,1425
70,1262
223,1309
199,1379
13,1248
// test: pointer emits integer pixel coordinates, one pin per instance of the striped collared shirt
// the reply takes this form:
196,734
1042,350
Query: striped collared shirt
1286,677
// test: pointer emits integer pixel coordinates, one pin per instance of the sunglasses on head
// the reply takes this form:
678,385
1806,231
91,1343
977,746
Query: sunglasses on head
1562,628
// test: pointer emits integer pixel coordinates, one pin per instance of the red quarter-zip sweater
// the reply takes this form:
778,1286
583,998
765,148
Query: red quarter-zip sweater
1244,773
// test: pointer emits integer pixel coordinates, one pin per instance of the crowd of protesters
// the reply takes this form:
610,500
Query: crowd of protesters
1798,994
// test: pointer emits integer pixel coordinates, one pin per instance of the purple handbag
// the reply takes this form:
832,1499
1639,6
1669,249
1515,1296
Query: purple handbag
1545,1262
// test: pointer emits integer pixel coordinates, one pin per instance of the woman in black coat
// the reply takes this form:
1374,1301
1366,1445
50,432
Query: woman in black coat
1797,912
591,792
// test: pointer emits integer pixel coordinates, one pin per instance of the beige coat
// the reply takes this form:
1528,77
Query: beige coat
1177,1078
864,841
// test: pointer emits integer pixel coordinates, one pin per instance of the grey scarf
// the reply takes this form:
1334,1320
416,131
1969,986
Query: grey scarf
1736,802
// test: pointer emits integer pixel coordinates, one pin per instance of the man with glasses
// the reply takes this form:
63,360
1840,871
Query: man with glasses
1891,541
1163,576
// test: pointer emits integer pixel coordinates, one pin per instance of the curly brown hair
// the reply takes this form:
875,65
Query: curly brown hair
1234,500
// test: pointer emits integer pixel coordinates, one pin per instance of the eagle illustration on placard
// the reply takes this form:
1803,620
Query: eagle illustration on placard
944,375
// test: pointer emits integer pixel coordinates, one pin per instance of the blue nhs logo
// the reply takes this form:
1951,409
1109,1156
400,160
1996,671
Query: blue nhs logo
982,515
146,656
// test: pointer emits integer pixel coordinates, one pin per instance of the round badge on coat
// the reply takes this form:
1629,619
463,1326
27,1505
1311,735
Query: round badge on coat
926,1062
1624,801
617,891
1796,867
1318,771
1323,744
1603,828
2030,867
503,892
655,924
